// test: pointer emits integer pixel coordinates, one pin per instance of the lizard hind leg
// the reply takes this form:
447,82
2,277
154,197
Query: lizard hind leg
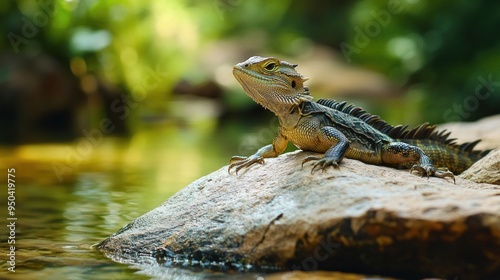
403,155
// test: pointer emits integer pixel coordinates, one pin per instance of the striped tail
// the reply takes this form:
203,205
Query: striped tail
444,151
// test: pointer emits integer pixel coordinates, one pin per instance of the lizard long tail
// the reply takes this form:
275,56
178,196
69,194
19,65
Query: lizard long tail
457,158
443,150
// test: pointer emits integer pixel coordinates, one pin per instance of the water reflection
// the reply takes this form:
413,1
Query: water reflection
61,217
95,207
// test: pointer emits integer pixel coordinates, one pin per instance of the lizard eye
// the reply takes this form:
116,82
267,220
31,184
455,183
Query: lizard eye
294,84
270,66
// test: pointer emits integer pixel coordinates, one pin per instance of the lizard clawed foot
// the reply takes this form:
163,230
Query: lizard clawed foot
429,170
240,162
322,163
445,174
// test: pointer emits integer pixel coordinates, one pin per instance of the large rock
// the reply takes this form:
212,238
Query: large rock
486,170
360,218
486,129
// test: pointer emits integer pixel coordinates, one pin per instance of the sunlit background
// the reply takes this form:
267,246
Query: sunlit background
107,108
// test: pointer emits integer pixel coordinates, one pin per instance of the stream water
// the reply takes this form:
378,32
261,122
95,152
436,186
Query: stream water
70,196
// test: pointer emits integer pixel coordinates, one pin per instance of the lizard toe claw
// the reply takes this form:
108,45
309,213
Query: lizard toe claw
240,162
322,163
309,158
445,174
420,170
429,170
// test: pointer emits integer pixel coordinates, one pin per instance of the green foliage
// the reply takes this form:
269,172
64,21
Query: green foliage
443,50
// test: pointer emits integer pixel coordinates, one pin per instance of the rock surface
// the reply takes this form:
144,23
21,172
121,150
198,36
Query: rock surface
360,218
486,170
486,129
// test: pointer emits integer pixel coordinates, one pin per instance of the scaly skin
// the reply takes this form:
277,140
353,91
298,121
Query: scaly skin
339,131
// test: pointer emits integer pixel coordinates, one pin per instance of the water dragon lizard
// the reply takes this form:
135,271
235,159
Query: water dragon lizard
340,130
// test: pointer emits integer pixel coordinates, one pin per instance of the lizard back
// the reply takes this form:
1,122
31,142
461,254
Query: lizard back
443,150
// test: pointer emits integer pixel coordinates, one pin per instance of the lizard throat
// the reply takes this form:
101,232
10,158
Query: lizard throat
274,101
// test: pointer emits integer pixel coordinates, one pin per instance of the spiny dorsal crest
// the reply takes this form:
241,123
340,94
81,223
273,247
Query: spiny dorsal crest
420,132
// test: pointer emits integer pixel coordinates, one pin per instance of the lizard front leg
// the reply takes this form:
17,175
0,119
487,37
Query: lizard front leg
333,156
403,155
272,150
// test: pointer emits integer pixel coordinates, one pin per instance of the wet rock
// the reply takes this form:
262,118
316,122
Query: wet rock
361,218
320,275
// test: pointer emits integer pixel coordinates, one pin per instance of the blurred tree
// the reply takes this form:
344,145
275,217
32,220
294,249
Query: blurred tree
440,52
444,50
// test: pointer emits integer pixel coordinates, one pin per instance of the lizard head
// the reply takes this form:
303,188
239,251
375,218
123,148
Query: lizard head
274,84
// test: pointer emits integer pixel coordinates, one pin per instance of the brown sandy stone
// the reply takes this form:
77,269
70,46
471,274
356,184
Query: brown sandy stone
486,170
361,218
